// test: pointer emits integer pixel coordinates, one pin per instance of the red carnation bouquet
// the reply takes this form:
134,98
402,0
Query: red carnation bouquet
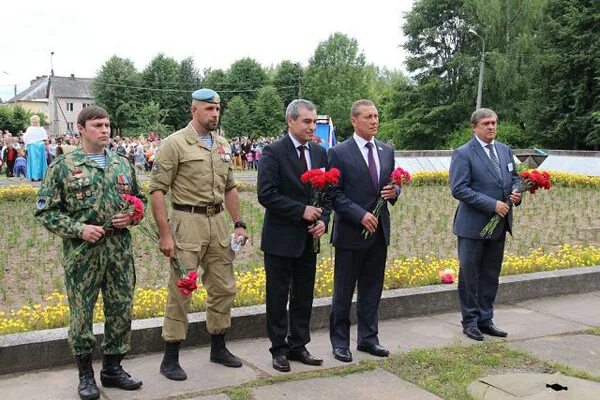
188,282
399,177
132,205
531,181
320,182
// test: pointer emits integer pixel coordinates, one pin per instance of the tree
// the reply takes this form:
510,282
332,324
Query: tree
287,81
162,81
268,116
245,77
150,117
444,71
115,89
509,28
566,101
235,118
189,80
336,77
216,79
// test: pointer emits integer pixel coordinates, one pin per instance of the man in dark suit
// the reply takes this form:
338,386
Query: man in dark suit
482,176
290,225
365,165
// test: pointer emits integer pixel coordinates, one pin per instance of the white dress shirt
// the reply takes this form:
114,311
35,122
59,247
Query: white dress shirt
364,150
306,150
487,151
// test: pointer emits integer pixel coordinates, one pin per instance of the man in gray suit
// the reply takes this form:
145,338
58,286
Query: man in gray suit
482,177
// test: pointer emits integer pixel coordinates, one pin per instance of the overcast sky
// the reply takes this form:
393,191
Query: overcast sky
83,35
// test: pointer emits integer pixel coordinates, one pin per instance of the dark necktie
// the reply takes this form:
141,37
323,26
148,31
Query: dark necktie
494,159
372,166
303,162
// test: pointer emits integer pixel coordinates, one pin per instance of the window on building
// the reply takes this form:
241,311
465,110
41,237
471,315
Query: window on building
84,105
69,106
70,126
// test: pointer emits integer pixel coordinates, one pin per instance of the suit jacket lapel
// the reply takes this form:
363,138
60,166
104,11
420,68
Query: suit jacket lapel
383,162
360,161
485,159
314,161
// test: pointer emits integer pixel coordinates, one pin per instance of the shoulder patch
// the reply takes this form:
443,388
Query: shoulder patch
42,203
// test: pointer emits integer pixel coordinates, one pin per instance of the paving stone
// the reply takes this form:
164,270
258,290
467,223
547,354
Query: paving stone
521,323
55,384
577,351
406,334
371,385
202,375
257,353
580,308
211,397
533,387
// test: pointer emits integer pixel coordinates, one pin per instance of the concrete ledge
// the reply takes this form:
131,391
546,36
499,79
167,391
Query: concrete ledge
43,349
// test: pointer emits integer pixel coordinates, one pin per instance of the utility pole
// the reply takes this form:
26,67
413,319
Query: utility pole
481,64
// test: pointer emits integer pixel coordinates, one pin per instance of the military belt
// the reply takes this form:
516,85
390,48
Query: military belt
209,210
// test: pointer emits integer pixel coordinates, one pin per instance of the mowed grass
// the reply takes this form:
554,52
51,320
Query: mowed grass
448,371
30,256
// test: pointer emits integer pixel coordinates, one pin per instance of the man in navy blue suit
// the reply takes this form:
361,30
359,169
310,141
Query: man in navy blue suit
365,165
483,176
290,226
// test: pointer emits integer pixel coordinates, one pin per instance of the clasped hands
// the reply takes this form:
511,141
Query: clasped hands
312,214
93,233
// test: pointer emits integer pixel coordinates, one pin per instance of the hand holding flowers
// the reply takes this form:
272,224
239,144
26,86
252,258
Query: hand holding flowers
531,181
320,182
398,177
188,282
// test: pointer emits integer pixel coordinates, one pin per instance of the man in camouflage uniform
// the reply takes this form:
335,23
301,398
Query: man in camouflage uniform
195,165
81,201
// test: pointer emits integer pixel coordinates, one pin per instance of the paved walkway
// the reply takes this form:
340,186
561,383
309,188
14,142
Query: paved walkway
550,328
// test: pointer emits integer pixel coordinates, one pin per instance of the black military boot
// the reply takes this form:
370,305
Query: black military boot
219,353
113,375
88,390
169,366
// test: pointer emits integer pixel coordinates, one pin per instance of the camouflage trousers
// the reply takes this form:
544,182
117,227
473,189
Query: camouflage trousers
106,266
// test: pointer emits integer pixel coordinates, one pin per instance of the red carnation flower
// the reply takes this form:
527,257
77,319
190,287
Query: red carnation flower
188,283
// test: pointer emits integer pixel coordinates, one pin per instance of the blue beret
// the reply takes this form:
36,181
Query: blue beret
207,95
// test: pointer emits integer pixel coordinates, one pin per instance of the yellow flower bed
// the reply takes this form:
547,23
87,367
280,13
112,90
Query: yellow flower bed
441,178
427,178
409,272
18,192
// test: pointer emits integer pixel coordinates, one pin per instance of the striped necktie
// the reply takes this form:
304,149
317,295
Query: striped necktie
494,159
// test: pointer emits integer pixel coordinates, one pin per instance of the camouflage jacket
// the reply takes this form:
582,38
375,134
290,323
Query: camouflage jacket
76,191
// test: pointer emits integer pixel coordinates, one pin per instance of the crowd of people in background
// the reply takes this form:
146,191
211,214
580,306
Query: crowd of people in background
140,150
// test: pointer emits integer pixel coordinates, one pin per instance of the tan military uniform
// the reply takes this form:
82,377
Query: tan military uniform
197,176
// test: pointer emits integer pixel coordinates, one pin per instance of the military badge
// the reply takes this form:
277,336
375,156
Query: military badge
77,173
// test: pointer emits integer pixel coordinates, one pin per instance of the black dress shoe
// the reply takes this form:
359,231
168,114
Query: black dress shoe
304,357
342,354
281,363
473,332
374,350
492,330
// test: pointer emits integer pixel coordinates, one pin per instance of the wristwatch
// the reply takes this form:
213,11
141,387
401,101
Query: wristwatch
240,224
